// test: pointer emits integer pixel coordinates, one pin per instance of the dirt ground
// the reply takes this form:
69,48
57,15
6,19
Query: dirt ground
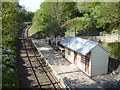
107,81
110,80
23,72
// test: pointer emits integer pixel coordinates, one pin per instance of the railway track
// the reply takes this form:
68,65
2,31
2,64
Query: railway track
42,73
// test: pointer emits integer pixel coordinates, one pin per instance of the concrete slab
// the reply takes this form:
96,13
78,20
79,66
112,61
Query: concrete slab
71,76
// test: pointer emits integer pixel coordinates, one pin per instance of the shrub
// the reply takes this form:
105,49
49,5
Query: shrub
114,48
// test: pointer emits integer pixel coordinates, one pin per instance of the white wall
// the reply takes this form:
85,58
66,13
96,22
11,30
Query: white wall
69,57
99,61
79,63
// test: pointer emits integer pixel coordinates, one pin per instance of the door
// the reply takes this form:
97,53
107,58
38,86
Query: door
87,64
75,58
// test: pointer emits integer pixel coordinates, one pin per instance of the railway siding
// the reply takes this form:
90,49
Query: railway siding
68,74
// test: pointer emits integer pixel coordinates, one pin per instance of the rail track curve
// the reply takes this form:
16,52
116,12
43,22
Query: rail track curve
44,77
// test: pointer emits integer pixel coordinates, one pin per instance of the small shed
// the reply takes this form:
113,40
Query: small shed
90,56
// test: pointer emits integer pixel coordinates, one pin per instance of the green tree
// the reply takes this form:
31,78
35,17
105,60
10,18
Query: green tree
52,15
12,25
106,15
78,25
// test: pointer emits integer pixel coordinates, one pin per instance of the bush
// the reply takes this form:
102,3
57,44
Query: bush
9,78
114,48
11,28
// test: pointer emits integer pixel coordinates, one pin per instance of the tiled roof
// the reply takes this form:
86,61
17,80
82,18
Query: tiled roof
80,45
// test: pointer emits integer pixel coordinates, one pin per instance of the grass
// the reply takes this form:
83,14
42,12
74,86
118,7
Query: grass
32,31
114,49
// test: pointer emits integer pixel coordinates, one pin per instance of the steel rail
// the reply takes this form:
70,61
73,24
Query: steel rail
29,58
41,64
45,70
44,67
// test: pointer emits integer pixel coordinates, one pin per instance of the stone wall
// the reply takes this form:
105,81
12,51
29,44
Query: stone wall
103,38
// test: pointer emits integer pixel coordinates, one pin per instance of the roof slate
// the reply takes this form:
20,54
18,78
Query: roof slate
82,46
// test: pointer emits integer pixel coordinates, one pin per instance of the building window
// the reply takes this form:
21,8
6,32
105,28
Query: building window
85,57
82,58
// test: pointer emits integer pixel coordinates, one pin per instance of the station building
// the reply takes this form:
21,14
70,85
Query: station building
89,56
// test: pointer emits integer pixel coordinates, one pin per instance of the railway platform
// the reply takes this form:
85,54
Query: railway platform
68,74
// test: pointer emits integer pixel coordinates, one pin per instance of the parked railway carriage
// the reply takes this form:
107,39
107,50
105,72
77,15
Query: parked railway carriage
90,56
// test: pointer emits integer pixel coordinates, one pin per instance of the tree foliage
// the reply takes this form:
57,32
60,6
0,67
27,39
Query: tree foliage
105,15
102,16
12,24
52,15
79,24
27,16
